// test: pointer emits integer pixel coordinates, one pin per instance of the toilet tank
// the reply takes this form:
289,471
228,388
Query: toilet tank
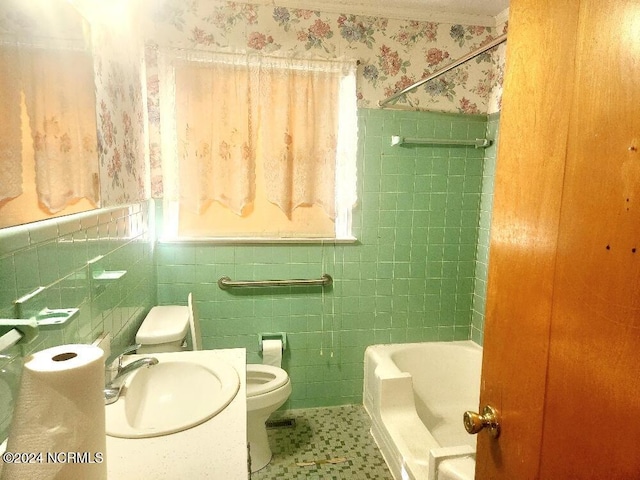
164,329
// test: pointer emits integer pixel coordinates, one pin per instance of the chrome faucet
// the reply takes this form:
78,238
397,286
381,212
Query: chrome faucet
114,385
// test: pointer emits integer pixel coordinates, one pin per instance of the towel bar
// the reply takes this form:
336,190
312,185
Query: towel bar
226,283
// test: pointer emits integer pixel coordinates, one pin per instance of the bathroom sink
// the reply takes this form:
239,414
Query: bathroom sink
178,393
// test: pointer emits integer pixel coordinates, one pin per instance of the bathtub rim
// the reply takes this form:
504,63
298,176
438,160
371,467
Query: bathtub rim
392,441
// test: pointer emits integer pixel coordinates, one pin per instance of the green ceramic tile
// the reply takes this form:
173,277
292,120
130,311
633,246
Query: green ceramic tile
7,279
440,164
43,232
473,167
461,333
443,130
27,270
425,128
405,201
454,201
224,254
371,126
439,183
244,253
473,184
408,127
204,255
455,183
388,287
184,255
477,130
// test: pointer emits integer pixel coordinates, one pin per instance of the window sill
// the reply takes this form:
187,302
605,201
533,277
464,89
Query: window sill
255,240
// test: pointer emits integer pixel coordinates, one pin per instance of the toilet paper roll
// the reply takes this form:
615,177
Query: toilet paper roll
272,352
58,425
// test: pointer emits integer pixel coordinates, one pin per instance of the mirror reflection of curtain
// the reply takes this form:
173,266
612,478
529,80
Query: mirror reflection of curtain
10,131
60,102
232,111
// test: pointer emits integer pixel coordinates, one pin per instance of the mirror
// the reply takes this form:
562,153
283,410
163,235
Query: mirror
48,134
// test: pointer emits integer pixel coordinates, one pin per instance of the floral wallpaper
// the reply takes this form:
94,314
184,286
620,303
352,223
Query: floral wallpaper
392,54
499,56
121,112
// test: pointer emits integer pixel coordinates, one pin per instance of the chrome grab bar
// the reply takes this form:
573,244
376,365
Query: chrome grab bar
226,283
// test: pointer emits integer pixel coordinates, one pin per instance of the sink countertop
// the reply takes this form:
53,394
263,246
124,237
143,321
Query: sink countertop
214,449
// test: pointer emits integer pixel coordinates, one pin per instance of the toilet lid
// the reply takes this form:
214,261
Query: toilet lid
264,378
163,324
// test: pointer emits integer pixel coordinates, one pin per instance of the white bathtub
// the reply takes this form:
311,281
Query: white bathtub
416,394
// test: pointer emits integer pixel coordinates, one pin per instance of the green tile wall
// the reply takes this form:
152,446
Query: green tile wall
417,272
410,277
54,254
482,254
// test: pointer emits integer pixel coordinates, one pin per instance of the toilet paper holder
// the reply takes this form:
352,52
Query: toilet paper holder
282,336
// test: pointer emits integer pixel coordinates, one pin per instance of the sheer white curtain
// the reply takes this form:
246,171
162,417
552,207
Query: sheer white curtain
215,134
60,101
296,116
298,106
10,131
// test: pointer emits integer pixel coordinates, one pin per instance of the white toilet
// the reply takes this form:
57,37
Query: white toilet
268,388
164,330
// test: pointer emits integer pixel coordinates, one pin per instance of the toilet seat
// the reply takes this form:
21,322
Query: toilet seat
263,379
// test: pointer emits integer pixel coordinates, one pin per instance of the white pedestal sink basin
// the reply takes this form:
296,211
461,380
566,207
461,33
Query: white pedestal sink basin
172,396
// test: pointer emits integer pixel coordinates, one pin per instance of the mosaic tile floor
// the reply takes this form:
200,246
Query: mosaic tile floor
335,434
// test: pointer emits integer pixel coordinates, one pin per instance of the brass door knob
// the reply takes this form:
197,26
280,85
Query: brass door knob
474,422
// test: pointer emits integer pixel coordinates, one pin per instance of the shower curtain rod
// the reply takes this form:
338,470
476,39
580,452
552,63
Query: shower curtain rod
437,73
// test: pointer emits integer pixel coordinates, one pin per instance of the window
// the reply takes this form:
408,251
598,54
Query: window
263,148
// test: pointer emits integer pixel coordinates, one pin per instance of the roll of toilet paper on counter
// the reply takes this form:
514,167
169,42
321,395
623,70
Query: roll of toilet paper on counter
272,352
58,425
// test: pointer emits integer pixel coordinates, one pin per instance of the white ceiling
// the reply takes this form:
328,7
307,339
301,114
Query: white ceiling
467,12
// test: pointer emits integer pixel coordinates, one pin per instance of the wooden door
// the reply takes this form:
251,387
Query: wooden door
562,333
